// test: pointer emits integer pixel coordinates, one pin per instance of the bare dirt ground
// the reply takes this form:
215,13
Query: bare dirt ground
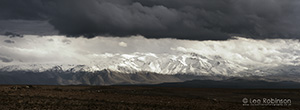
18,97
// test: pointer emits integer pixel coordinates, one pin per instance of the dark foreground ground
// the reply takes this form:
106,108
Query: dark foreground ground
138,98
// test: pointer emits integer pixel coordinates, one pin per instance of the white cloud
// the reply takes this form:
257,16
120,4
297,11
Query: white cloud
61,49
122,44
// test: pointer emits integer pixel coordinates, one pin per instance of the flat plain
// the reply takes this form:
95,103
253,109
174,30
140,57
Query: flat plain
41,97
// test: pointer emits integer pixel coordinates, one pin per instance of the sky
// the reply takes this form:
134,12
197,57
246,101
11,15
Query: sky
178,19
251,33
36,31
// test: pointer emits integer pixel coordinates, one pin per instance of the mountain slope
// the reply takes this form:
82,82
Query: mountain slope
233,83
104,77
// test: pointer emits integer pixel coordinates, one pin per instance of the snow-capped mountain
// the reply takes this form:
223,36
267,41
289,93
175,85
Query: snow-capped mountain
130,63
62,60
183,63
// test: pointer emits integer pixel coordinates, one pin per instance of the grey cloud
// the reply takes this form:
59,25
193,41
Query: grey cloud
5,59
50,40
9,41
18,28
66,41
188,19
11,34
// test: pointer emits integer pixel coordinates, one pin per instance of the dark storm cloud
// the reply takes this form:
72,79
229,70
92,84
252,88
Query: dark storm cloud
23,9
186,19
18,28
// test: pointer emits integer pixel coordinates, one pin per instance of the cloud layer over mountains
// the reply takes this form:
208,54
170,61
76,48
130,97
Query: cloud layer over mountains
184,19
65,50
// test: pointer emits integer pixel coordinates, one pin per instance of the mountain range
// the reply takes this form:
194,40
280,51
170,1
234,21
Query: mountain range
143,68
